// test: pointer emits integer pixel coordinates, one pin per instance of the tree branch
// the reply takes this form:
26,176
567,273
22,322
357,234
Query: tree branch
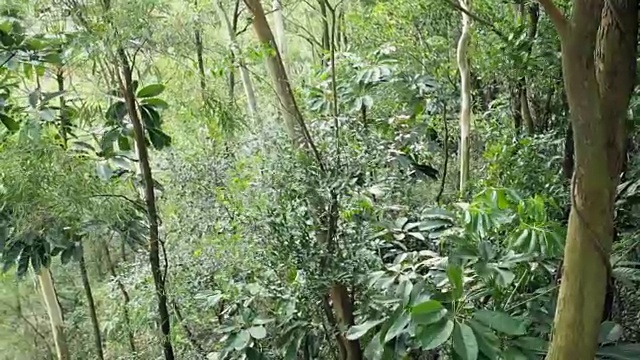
475,17
557,17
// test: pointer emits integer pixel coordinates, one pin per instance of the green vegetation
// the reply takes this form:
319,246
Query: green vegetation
243,179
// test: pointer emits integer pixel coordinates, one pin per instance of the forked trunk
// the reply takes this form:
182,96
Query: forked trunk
598,60
465,95
55,313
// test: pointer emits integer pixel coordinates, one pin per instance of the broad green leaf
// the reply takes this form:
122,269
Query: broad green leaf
609,332
464,342
426,307
241,340
374,349
436,334
11,124
158,138
157,103
258,332
253,354
620,352
150,91
358,331
488,342
531,343
398,326
512,353
429,318
454,273
501,322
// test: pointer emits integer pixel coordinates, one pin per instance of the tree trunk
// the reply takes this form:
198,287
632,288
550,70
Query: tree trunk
200,58
280,35
92,307
125,297
465,95
338,293
55,313
164,322
598,61
325,32
252,105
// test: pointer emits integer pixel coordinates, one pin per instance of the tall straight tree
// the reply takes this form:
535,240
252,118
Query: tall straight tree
465,93
599,66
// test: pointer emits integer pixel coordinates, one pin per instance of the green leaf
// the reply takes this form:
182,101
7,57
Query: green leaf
427,307
150,91
488,342
158,138
454,273
501,322
253,354
374,349
156,103
116,113
609,332
123,143
621,352
436,334
241,340
513,354
11,124
23,262
532,344
398,326
464,342
258,332
429,318
358,331
67,254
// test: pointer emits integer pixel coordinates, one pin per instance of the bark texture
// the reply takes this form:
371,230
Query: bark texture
465,94
598,61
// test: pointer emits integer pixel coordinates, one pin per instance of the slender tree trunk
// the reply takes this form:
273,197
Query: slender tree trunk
200,58
164,322
232,73
598,61
125,297
280,35
92,307
446,153
338,293
326,47
252,104
465,95
55,313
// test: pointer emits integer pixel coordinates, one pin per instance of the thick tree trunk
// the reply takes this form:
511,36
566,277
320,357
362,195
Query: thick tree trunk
598,61
97,337
55,313
164,322
338,293
252,104
465,95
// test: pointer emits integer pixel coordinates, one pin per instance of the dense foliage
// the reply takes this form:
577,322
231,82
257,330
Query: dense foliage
256,237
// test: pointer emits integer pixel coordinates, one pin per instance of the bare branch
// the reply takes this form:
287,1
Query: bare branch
475,17
557,17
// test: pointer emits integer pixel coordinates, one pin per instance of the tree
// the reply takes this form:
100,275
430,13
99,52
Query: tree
465,94
599,63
